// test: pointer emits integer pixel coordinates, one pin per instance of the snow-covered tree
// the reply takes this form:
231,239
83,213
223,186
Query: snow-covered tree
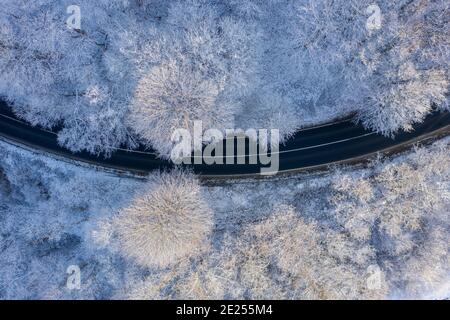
407,70
327,62
55,75
312,270
202,66
167,223
92,79
172,97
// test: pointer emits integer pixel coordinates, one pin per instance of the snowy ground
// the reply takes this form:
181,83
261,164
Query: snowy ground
378,232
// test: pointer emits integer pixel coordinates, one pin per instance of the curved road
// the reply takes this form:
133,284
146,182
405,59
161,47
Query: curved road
313,148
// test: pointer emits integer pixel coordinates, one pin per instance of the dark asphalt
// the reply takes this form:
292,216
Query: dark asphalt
341,142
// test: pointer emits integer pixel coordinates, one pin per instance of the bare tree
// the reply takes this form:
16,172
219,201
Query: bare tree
169,222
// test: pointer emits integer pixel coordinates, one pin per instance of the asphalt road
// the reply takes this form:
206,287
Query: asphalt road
314,148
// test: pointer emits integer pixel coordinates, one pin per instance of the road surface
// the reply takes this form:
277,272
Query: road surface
313,148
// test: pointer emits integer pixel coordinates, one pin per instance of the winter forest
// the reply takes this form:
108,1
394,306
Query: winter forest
138,69
133,71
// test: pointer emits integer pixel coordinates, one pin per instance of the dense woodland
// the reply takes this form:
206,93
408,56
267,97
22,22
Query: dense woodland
137,70
133,71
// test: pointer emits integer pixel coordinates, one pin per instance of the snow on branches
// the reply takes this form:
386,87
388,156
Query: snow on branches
169,222
134,71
